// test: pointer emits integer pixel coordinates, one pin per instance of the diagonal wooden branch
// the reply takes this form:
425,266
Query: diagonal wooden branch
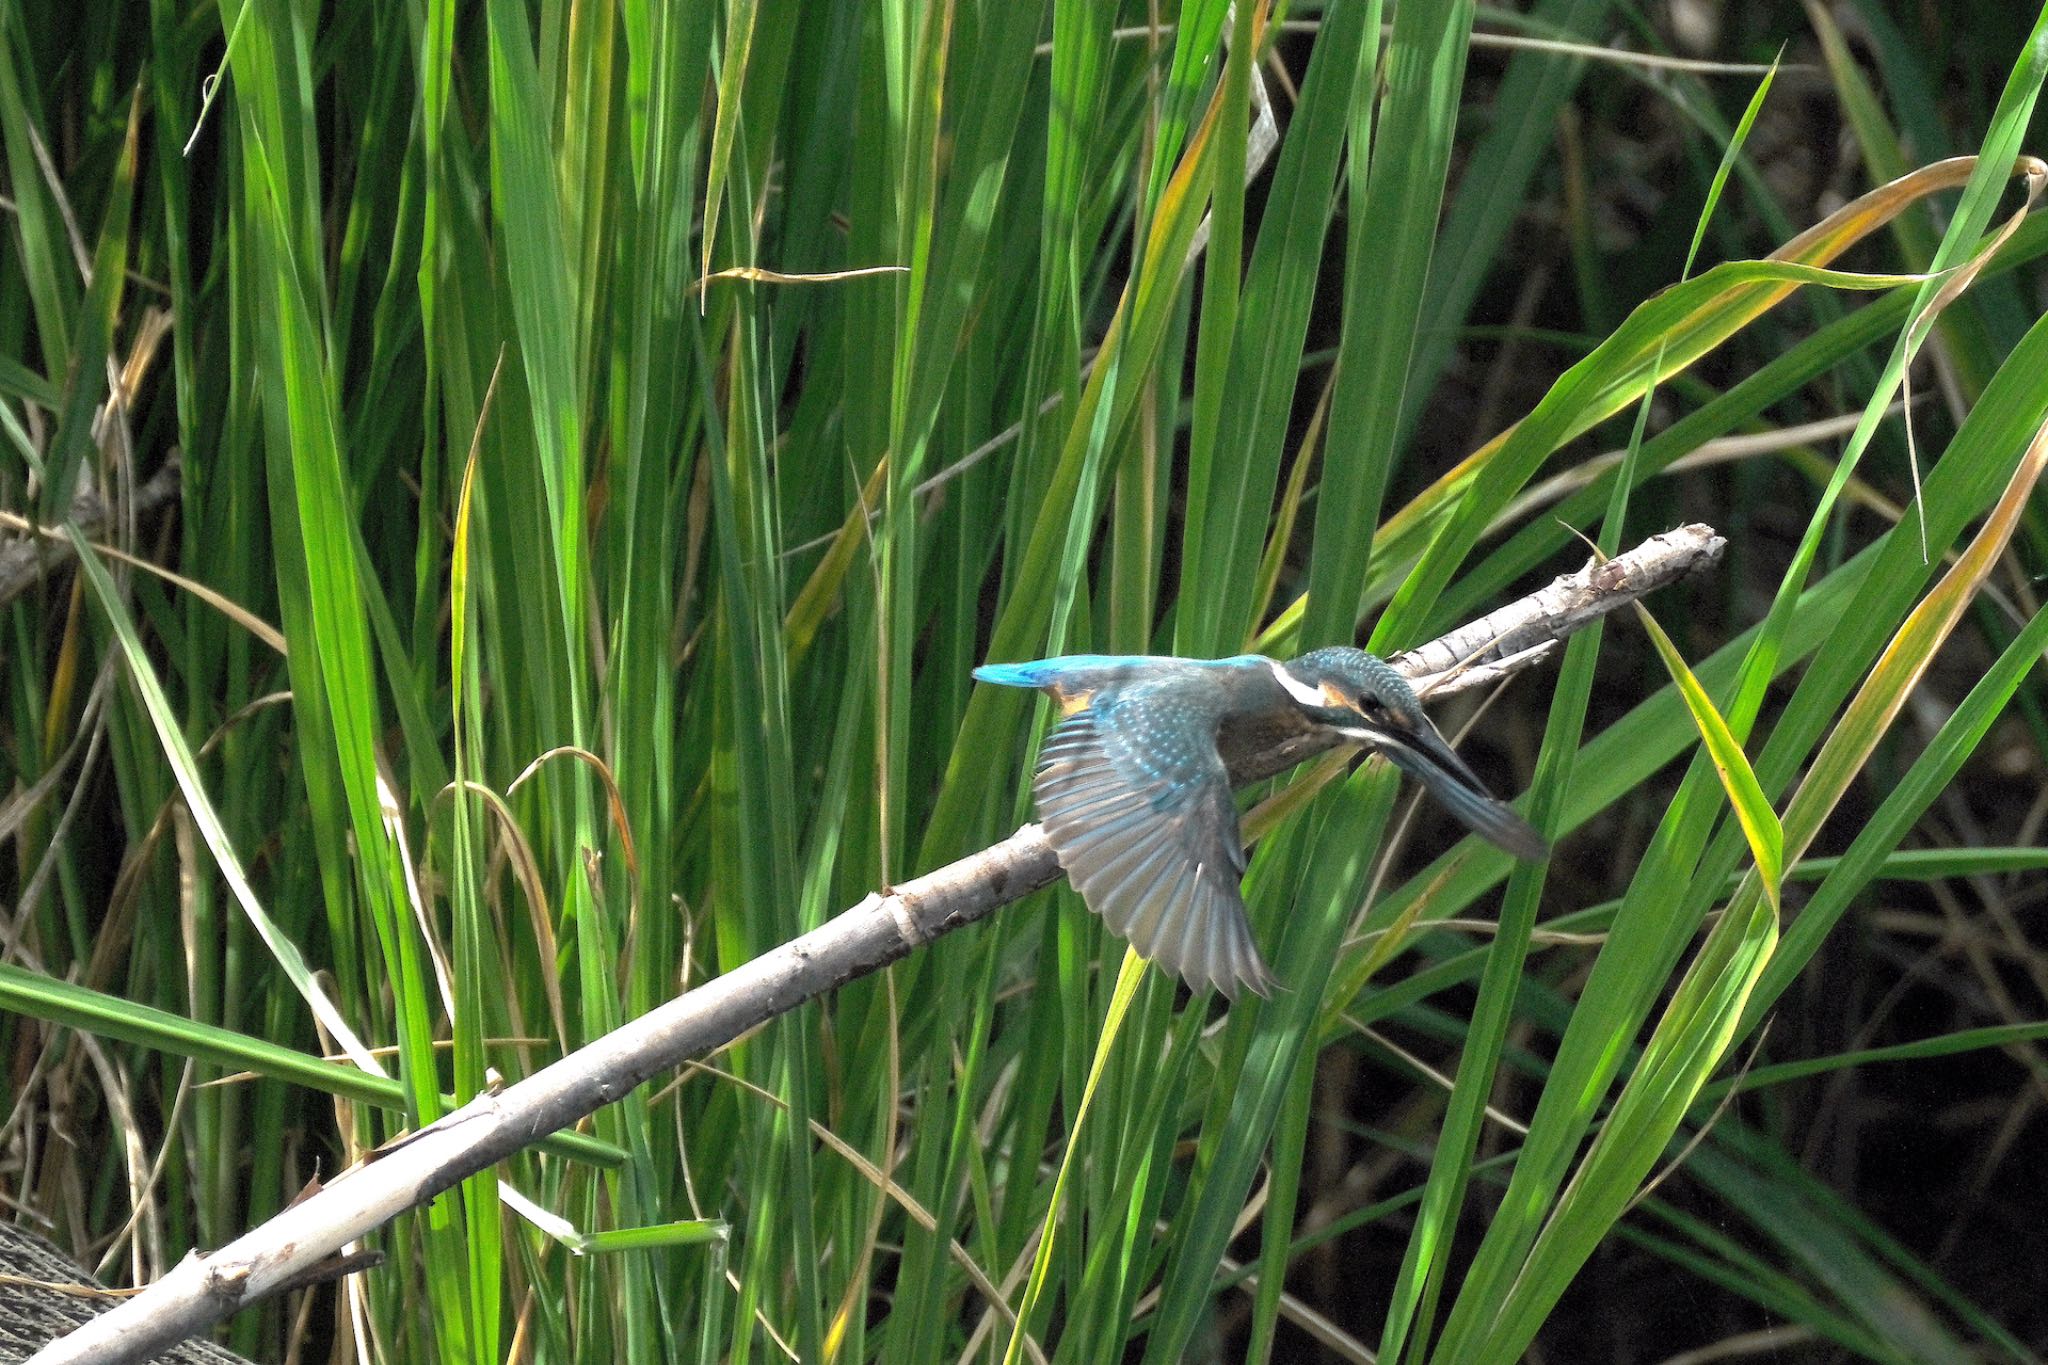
881,929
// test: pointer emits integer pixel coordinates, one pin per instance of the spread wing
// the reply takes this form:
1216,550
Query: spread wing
1136,803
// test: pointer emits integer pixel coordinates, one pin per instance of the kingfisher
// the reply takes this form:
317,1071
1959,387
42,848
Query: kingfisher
1134,794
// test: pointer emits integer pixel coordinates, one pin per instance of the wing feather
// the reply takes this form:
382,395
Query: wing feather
1150,839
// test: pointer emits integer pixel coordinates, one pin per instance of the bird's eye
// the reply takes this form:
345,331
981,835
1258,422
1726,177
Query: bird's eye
1371,705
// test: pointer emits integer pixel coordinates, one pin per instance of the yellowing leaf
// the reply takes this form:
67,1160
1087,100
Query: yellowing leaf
1759,822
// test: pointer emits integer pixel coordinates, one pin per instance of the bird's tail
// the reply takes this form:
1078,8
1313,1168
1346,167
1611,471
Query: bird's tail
1034,674
1068,675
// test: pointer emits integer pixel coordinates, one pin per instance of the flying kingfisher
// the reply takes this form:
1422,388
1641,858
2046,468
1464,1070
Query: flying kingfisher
1135,798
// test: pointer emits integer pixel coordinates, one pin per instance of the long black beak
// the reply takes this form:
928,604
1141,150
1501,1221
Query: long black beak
1424,756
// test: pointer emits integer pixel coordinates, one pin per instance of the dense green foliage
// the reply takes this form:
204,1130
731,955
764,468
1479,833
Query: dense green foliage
608,435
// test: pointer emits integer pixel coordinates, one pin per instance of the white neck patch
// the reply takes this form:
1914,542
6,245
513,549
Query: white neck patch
1296,688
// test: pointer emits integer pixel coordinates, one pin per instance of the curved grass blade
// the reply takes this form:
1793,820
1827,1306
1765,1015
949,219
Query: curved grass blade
37,996
1664,336
1128,978
1710,1003
185,769
1752,809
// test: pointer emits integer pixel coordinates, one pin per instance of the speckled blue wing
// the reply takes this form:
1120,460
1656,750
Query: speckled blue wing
1136,802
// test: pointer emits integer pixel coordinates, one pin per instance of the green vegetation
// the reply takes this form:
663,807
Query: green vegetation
609,435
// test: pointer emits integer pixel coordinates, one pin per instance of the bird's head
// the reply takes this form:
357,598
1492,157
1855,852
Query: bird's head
1358,694
1360,697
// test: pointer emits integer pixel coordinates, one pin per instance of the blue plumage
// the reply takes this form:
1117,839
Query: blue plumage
1038,673
1135,798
